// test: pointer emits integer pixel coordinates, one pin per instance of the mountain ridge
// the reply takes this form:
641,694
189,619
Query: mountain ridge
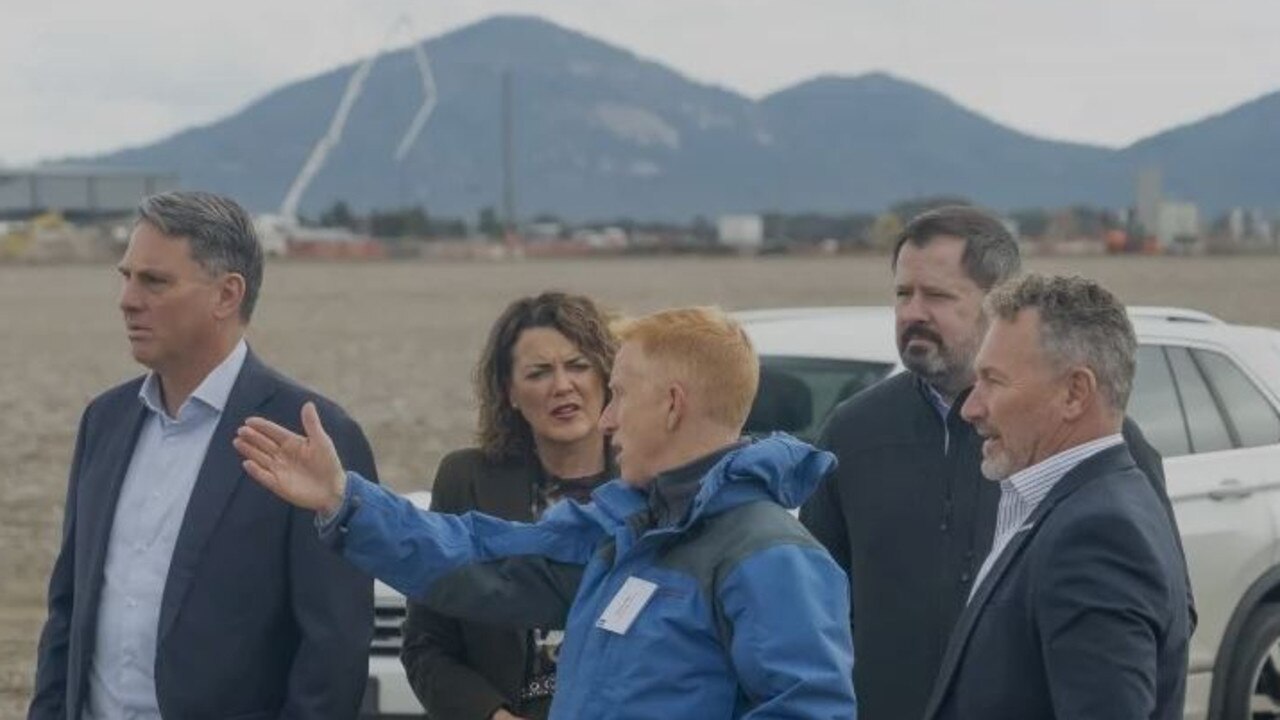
603,132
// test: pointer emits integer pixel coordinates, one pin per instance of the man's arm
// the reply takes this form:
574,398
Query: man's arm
332,605
472,566
1098,608
788,612
49,696
410,549
1152,465
823,514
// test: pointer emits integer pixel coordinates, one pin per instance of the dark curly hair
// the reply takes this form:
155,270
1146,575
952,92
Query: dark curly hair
503,433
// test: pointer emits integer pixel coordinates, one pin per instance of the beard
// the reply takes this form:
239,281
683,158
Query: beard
997,458
946,368
997,467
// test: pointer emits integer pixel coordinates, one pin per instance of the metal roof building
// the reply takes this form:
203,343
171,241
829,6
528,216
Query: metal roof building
78,191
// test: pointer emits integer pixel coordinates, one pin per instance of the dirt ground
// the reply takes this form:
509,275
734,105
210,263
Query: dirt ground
394,344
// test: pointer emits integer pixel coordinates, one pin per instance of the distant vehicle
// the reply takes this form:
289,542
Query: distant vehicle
1206,395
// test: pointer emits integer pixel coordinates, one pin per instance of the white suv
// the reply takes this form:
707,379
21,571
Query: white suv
1206,395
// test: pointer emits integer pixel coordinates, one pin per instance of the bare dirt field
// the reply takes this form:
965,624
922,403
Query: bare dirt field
394,344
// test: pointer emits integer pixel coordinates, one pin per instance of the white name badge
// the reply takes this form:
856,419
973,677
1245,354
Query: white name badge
626,605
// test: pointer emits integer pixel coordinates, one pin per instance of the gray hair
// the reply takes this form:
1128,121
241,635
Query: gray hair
990,252
1081,323
219,232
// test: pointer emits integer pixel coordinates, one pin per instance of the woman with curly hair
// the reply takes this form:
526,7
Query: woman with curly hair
542,383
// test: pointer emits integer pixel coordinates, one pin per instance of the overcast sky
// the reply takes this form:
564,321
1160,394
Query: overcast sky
80,76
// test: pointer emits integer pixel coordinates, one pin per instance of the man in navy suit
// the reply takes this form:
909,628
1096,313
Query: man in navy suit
182,588
1080,609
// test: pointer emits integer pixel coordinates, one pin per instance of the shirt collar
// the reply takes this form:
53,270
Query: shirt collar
936,399
212,392
1035,482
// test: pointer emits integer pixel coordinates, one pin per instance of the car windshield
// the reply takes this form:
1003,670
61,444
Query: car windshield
796,393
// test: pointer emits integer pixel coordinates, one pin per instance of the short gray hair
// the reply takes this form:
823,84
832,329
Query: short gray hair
1081,323
990,251
219,232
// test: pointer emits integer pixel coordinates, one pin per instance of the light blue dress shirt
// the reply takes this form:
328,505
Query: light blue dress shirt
943,407
149,513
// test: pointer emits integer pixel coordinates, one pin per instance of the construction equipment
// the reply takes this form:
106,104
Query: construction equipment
288,212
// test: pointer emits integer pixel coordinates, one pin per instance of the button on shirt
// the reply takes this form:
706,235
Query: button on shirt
943,407
1022,492
149,512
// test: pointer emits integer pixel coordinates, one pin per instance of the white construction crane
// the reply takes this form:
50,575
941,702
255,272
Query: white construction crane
288,212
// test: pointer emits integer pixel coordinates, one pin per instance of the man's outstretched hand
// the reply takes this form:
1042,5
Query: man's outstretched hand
304,471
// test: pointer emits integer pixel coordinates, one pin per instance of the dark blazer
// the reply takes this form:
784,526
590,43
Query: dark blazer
466,670
1084,614
257,619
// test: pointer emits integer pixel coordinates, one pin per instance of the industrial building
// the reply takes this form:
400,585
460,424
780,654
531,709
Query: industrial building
77,192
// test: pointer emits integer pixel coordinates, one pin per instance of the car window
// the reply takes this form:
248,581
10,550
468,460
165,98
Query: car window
1208,430
1153,404
797,394
1251,414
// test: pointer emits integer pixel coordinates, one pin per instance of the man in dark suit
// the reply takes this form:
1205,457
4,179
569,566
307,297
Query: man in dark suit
1080,608
183,589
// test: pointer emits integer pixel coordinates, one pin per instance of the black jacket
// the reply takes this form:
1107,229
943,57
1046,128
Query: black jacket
909,516
465,670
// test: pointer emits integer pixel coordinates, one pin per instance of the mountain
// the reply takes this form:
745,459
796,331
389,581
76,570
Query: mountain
874,139
597,132
1223,161
601,133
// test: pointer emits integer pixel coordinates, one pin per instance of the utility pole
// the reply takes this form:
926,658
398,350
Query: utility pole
508,179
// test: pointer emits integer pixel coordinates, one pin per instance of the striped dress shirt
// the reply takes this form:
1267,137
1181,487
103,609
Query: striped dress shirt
1022,491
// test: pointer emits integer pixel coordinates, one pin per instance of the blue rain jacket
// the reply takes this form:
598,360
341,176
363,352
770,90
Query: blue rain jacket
749,616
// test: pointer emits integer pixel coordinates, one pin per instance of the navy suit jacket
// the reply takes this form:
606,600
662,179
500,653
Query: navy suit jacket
258,619
1084,614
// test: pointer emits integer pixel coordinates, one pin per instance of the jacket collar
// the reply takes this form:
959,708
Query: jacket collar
778,468
220,475
1107,462
212,392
